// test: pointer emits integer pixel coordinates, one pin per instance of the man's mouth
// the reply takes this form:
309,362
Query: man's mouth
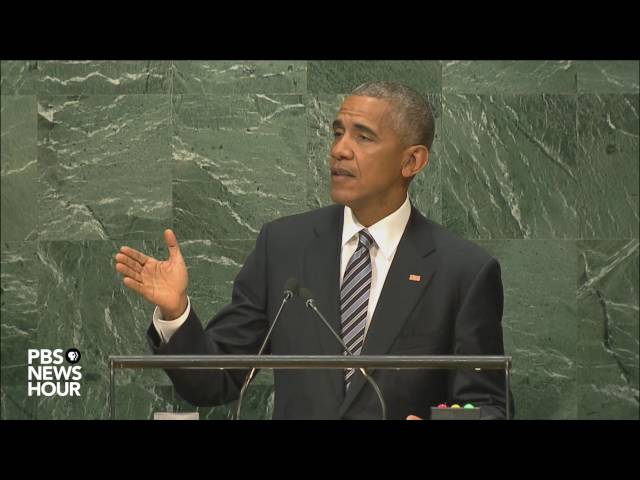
339,172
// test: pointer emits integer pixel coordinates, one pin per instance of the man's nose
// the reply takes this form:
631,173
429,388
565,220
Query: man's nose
341,149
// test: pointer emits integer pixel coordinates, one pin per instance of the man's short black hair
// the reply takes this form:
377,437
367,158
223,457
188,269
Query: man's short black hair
413,118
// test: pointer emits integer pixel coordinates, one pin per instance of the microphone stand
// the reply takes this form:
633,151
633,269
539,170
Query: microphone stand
288,294
383,406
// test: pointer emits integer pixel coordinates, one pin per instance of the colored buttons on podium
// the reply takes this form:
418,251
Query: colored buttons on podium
455,412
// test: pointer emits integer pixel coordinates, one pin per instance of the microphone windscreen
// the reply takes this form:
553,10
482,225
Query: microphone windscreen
293,285
306,294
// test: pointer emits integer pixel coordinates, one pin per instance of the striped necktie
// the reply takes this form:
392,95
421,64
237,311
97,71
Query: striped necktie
354,298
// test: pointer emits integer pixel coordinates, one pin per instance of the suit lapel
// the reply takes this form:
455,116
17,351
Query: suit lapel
322,277
399,294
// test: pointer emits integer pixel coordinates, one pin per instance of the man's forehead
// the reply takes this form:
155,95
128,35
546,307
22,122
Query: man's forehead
370,108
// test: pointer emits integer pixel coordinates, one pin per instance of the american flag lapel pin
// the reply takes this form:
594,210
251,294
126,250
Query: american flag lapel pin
414,278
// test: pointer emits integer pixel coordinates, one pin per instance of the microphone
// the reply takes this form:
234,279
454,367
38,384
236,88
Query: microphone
310,302
291,288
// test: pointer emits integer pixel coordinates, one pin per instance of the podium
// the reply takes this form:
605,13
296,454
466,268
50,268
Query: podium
322,362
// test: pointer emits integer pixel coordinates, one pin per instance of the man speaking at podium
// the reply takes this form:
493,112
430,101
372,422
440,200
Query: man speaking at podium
388,280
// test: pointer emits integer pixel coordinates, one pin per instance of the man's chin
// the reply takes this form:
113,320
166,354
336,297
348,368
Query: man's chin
341,198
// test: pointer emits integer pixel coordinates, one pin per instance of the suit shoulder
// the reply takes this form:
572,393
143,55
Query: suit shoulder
457,249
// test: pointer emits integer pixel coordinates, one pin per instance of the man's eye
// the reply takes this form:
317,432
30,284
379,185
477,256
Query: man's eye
337,134
364,137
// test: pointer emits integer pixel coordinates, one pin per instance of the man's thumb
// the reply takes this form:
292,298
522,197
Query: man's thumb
172,243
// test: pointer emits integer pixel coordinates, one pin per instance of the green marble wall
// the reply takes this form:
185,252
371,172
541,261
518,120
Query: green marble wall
535,161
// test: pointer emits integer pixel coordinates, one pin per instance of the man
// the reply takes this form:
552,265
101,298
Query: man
387,279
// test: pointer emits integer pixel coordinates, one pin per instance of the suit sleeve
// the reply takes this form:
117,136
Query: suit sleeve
238,328
478,331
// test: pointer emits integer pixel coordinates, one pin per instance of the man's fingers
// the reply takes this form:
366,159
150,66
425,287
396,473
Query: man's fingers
139,257
172,242
413,417
129,262
132,284
127,271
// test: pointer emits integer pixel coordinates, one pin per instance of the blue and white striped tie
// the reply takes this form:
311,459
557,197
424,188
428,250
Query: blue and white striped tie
354,298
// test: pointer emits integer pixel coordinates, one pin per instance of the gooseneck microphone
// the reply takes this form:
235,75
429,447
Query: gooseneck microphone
291,288
309,301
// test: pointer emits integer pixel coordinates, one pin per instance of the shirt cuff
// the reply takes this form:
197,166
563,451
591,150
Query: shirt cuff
166,328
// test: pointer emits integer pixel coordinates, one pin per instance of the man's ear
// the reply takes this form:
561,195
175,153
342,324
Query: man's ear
417,157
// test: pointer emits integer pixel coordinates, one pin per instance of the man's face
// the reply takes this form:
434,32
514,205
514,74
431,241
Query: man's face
366,154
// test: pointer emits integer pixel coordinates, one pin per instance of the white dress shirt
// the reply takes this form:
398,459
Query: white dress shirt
386,234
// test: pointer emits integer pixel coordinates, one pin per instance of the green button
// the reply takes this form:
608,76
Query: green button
469,405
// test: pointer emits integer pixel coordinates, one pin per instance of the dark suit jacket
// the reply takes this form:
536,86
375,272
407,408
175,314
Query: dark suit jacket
456,308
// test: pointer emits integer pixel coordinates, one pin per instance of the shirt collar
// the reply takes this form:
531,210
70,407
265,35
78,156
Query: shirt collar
387,232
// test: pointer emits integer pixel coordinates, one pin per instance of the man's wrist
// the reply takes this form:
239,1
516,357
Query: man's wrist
168,315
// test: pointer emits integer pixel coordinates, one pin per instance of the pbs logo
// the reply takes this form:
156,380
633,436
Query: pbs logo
72,355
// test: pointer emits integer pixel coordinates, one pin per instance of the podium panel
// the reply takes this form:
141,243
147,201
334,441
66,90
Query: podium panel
365,364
